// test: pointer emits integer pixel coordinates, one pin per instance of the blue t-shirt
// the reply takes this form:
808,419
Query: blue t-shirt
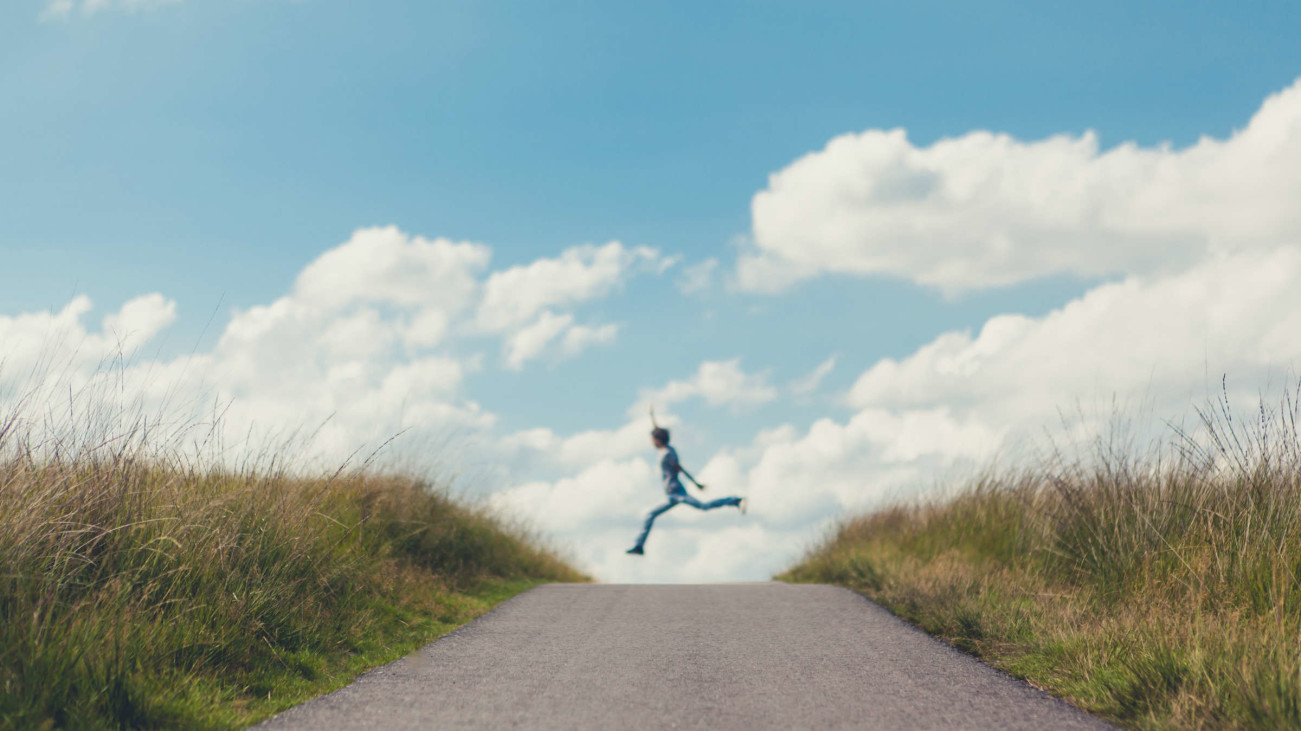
669,467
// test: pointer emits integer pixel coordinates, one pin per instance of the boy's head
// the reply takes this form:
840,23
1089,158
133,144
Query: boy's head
660,436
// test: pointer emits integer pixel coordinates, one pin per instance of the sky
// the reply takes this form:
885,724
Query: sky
849,250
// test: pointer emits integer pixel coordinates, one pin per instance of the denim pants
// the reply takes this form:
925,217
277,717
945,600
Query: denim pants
680,496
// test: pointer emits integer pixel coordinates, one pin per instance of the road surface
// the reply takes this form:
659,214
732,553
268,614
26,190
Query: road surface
731,656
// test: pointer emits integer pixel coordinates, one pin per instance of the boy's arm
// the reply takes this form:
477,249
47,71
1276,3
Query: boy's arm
683,470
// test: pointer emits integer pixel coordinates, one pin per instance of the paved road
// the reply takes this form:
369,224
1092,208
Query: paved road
739,656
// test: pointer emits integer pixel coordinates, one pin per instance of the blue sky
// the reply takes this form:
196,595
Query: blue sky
210,150
222,144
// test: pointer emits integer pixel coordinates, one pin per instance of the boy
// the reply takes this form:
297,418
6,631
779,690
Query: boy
673,487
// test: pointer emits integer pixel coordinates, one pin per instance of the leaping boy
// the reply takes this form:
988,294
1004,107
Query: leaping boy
671,468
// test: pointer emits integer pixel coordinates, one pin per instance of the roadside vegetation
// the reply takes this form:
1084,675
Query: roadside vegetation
138,591
1159,588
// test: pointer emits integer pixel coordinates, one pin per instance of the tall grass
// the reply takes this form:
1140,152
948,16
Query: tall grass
138,591
1160,588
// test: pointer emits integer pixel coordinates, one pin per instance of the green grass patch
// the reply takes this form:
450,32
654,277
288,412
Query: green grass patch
137,594
1161,592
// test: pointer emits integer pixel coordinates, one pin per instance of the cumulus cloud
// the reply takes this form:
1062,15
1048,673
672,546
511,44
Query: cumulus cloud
369,341
527,343
1233,315
521,302
1205,239
603,494
963,397
715,382
386,266
608,486
515,296
600,509
33,339
579,337
985,209
718,383
951,405
353,351
542,447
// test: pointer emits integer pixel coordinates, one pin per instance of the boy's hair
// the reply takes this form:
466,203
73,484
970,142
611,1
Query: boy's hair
660,434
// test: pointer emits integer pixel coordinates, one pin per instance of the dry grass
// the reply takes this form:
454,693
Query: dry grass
142,592
1159,589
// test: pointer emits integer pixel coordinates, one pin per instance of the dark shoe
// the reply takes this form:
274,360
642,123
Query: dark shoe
636,551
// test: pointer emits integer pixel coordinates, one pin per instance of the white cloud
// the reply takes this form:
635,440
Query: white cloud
139,320
961,399
601,510
698,277
984,209
515,296
612,487
543,448
386,266
1206,238
604,494
810,382
60,340
732,547
522,302
718,383
580,337
527,343
1234,314
352,348
1147,344
577,451
369,342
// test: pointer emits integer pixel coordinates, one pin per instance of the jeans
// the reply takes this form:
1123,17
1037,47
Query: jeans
681,496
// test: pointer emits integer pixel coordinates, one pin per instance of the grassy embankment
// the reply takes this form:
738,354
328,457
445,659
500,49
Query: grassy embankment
1161,591
142,594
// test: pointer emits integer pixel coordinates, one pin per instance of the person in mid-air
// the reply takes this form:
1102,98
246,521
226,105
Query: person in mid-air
673,487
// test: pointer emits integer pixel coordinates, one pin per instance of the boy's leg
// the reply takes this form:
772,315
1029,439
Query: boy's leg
650,520
719,503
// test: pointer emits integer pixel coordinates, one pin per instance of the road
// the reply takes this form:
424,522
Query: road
731,656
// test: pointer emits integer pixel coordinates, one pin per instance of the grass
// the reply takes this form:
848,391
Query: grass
1158,588
139,592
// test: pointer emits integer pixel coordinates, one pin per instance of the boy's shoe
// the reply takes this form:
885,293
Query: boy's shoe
636,551
743,504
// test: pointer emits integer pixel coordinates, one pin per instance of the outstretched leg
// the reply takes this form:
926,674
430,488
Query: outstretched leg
650,520
719,503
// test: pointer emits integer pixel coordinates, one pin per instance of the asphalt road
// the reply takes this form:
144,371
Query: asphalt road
738,656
